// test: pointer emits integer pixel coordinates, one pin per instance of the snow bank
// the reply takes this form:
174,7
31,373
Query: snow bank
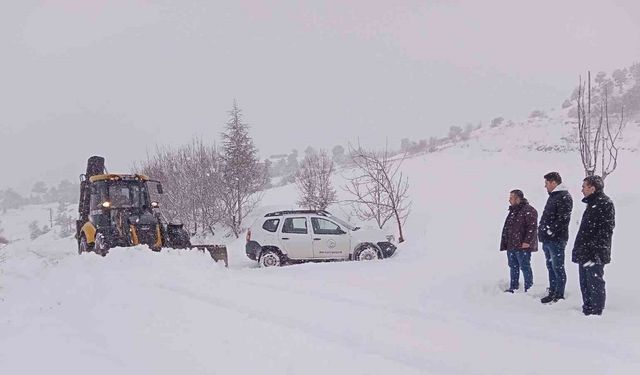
437,307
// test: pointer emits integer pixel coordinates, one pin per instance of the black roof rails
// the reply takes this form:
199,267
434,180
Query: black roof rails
293,212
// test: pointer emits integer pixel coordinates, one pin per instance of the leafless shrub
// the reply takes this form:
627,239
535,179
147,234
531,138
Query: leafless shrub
314,181
35,231
379,188
599,140
497,122
66,223
191,178
537,114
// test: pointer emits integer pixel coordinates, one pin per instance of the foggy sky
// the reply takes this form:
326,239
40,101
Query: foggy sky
115,78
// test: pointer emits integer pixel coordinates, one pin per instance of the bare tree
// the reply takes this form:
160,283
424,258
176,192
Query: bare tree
191,177
243,176
599,139
379,188
314,181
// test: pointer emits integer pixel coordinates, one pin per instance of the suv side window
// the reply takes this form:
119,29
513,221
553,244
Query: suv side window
271,225
323,226
296,225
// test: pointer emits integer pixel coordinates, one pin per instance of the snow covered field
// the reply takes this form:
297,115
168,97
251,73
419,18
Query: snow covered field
437,307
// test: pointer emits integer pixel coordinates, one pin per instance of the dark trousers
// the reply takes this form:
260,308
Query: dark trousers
554,254
520,260
592,287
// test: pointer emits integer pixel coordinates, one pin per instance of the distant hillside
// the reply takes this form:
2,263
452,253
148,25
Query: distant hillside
622,88
553,130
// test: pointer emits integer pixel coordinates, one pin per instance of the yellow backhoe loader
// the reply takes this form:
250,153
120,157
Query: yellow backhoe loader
116,210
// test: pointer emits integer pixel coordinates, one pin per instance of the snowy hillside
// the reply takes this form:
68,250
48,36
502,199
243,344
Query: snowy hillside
554,132
436,307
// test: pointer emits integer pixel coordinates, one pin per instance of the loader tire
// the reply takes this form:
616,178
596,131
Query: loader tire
179,239
83,246
100,245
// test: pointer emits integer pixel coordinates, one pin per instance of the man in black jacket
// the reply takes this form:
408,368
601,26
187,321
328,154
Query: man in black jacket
553,232
592,249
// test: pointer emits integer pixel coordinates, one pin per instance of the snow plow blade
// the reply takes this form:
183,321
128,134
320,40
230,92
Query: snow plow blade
217,252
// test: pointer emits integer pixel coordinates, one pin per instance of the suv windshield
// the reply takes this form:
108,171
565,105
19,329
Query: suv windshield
127,195
343,223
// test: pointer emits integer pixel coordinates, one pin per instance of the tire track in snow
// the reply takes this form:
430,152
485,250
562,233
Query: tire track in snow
539,335
418,362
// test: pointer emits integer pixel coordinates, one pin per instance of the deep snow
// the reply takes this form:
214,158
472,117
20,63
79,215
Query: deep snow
437,307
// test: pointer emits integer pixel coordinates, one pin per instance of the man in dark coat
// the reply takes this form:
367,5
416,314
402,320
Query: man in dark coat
553,232
592,249
519,239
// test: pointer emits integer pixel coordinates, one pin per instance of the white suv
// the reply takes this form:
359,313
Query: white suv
304,235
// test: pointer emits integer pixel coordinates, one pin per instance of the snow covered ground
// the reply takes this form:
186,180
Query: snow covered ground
437,307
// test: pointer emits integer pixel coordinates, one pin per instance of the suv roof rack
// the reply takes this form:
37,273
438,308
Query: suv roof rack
293,212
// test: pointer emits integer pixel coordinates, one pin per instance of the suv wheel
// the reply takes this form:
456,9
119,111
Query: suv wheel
270,258
367,252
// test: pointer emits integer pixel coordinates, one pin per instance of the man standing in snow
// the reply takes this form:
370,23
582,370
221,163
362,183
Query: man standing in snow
519,239
592,249
553,232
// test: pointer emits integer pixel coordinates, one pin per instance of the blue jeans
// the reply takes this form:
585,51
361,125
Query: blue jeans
520,260
592,288
554,253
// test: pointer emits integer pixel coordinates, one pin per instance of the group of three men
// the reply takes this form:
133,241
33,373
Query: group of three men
591,250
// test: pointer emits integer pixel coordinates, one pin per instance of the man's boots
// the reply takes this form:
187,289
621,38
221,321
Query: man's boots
548,299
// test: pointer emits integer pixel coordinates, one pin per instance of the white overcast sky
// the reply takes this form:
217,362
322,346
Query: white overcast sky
115,78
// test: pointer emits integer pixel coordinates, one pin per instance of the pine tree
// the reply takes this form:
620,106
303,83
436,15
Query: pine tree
243,175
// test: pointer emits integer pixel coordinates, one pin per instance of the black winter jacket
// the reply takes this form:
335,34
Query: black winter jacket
554,223
593,241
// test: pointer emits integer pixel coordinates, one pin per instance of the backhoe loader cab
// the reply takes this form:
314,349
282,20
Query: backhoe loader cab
116,210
